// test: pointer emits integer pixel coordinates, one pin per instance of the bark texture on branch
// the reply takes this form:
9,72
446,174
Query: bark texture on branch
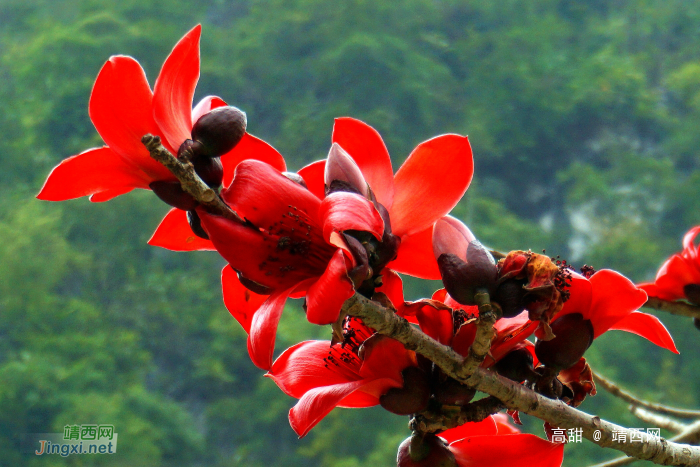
516,396
675,308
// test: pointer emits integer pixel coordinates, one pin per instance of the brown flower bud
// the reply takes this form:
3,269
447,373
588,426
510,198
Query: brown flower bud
573,336
452,392
171,192
196,225
219,130
210,170
412,397
425,451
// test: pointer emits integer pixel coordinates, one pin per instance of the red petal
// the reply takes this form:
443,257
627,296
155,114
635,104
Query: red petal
342,211
674,274
174,89
318,402
436,323
520,449
247,250
110,194
430,183
206,105
94,171
392,287
504,424
367,148
689,239
239,301
581,295
450,235
649,327
120,109
327,295
250,147
415,256
483,428
614,298
261,194
263,329
386,358
313,176
174,233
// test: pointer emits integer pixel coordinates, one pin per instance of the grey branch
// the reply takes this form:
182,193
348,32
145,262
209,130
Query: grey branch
189,180
675,308
516,396
658,421
484,333
617,391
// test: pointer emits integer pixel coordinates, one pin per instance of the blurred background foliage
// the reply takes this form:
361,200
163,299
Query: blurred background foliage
583,118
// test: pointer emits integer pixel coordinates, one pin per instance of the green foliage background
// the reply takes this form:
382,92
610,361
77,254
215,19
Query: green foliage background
583,118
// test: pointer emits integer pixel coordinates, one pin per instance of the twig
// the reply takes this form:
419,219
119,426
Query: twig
675,308
516,396
690,435
431,422
189,180
656,420
484,333
616,391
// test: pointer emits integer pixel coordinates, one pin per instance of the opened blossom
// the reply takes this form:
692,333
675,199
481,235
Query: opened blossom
679,277
354,372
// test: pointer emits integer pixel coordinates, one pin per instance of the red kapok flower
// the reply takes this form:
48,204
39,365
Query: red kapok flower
351,373
426,187
123,109
608,300
496,443
679,276
286,246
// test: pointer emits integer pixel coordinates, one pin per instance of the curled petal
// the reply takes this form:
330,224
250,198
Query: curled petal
385,357
313,177
239,301
263,329
206,105
483,428
110,194
647,326
343,211
430,183
327,295
367,148
120,108
174,89
95,171
689,240
341,167
450,235
250,147
415,256
436,323
674,275
174,233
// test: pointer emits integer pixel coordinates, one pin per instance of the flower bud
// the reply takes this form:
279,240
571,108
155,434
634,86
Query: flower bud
425,451
412,397
340,167
171,192
574,335
219,130
452,392
510,296
210,170
692,293
196,225
516,365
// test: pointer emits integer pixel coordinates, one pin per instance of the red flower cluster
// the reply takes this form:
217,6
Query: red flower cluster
347,224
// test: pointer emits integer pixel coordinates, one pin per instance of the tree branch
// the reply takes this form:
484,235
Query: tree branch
484,333
516,396
616,391
189,180
658,421
675,308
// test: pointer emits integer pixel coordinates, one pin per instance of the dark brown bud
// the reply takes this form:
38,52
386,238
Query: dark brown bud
219,130
189,150
210,170
196,225
573,336
463,278
692,293
516,365
452,392
510,295
425,450
412,397
171,192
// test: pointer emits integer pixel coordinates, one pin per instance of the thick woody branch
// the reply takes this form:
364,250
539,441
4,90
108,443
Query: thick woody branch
617,391
189,180
516,396
484,333
675,308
